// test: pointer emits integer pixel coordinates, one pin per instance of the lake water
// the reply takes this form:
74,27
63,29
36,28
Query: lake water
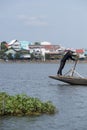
32,79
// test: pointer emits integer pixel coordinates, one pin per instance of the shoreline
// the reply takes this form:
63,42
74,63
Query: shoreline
39,61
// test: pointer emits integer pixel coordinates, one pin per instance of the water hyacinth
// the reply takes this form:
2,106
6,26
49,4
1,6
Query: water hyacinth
24,105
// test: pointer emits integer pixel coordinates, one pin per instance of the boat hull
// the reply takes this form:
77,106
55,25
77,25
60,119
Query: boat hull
71,80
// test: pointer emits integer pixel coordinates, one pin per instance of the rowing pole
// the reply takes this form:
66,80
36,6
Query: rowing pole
74,67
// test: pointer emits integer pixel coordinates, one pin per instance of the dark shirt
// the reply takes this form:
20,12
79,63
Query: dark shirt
67,56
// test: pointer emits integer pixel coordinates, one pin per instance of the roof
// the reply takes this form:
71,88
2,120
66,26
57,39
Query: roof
80,51
47,47
45,43
10,51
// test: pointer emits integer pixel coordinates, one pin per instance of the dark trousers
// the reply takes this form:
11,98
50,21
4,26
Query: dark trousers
62,64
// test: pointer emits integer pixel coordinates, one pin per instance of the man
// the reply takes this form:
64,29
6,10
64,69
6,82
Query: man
69,55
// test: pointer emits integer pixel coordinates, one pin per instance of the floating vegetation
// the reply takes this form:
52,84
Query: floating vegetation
22,104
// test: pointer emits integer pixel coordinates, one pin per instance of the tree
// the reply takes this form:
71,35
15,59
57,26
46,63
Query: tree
37,43
4,45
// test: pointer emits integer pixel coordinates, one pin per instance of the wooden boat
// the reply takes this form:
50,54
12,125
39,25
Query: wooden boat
71,77
71,80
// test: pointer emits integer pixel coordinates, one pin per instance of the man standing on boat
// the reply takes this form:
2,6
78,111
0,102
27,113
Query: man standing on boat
70,54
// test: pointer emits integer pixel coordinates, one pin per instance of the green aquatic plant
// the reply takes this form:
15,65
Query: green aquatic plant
48,107
22,104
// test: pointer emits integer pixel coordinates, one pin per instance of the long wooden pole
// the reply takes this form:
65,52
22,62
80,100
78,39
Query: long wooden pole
74,67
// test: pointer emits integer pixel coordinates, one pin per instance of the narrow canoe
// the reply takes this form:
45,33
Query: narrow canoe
70,79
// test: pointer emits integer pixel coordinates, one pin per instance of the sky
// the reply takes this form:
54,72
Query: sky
61,22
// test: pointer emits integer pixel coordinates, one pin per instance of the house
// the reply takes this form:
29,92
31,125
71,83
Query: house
25,45
15,44
19,45
81,53
85,53
10,51
42,50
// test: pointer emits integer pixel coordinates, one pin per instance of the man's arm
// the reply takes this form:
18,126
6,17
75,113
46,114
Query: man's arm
74,57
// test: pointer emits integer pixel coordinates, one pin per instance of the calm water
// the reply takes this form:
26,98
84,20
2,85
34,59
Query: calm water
32,79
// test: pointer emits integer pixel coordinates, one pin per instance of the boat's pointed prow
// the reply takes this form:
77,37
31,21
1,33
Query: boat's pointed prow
70,79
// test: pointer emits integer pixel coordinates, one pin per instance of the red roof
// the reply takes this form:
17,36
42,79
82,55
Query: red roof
80,51
51,47
47,47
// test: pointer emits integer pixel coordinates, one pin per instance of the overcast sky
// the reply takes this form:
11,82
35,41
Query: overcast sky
61,22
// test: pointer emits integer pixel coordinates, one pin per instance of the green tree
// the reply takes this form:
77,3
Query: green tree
4,45
37,43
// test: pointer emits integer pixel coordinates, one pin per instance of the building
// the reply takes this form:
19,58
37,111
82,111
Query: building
81,53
